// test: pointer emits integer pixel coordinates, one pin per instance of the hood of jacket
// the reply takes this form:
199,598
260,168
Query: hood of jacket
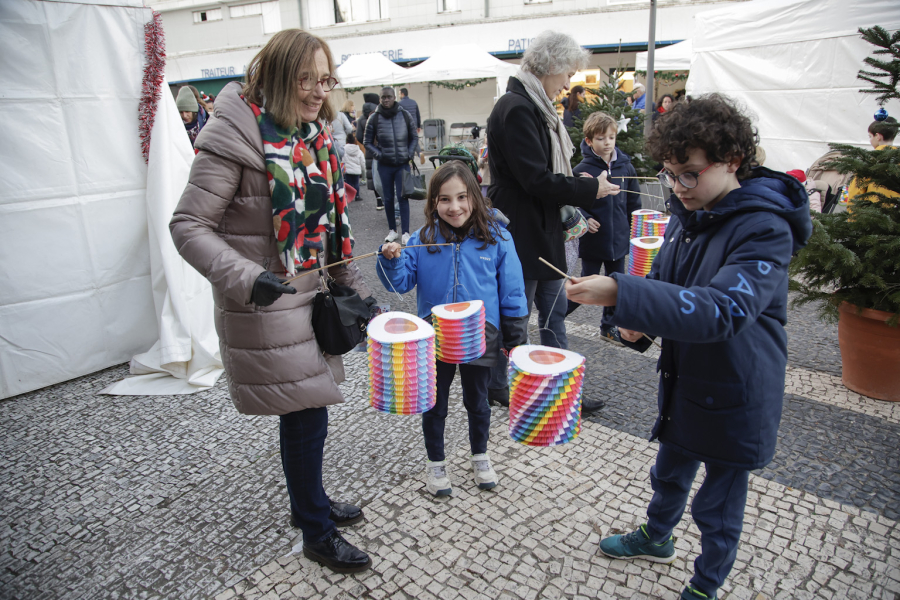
232,131
590,157
765,190
352,150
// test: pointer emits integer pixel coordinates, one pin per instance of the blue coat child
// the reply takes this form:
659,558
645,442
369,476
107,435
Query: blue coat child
722,318
612,241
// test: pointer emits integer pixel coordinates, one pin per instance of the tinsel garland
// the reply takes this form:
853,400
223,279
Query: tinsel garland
154,73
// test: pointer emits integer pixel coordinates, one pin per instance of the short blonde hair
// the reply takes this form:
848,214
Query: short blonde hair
273,75
348,106
598,123
552,53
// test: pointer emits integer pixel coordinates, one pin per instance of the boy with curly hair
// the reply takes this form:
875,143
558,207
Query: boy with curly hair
717,296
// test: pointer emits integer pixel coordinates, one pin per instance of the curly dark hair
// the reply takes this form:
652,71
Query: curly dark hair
712,123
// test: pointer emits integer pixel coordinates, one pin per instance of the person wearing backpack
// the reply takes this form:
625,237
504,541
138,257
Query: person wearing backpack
391,137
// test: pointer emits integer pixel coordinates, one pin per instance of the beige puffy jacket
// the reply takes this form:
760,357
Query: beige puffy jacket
223,228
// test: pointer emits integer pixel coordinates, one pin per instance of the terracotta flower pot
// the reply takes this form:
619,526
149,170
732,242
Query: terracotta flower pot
870,353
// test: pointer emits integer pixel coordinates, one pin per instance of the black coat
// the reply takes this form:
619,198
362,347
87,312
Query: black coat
367,109
524,186
391,139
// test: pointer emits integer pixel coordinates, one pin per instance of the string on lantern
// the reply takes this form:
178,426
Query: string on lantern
151,84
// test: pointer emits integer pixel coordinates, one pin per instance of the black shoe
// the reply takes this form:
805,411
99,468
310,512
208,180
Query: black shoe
337,554
379,205
499,397
590,405
611,334
342,514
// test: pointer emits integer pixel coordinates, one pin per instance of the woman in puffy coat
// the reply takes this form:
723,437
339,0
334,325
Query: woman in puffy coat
223,227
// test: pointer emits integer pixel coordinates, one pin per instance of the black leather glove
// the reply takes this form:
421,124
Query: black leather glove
268,288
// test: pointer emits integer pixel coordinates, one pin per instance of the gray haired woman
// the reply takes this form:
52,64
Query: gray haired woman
531,179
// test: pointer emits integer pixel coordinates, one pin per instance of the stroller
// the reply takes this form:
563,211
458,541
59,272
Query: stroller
828,182
456,152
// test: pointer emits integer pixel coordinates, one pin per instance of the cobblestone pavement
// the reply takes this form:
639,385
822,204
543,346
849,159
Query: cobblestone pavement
181,497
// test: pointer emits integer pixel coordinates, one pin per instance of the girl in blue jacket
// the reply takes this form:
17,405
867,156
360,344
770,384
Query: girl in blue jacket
480,265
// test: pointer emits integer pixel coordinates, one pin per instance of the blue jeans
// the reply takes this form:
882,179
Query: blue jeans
591,267
474,385
550,299
718,511
353,181
392,186
302,436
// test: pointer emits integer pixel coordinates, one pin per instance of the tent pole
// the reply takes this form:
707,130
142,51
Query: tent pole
651,46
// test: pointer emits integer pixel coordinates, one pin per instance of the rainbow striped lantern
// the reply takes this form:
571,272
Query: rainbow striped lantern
639,217
544,395
653,227
459,331
401,364
643,251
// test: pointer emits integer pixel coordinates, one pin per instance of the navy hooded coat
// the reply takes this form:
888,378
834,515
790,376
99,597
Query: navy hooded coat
612,240
720,305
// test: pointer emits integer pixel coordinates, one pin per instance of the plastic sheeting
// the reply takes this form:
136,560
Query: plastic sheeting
676,57
794,65
186,357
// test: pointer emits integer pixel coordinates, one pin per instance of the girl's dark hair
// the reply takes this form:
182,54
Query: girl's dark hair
351,139
481,221
573,97
664,96
712,123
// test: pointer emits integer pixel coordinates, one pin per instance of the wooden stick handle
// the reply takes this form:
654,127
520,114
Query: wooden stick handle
552,267
652,340
369,255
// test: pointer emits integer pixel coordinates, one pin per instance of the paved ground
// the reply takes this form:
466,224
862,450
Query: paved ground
181,497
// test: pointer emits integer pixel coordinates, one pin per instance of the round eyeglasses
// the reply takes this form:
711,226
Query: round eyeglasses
688,180
308,84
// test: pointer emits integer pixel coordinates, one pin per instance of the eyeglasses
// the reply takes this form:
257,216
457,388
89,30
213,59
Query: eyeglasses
308,85
688,180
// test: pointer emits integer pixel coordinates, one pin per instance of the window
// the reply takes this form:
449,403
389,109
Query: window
271,14
323,13
213,14
444,6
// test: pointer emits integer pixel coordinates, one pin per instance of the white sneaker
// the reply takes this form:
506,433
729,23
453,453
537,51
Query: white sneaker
405,239
437,481
392,236
485,476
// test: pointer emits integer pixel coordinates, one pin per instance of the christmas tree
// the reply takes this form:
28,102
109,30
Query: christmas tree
854,256
630,139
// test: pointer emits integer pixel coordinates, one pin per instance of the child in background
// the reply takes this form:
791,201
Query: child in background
717,296
607,242
881,135
354,164
815,199
482,264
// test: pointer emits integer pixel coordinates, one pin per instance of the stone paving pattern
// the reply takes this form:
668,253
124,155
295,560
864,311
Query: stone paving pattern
181,497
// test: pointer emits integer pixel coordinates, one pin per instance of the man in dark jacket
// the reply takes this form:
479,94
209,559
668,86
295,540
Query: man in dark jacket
717,295
391,137
369,105
412,107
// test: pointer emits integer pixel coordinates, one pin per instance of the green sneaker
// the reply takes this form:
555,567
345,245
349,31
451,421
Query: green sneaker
692,593
637,544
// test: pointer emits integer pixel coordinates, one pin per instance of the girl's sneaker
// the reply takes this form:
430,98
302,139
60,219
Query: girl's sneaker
436,480
485,477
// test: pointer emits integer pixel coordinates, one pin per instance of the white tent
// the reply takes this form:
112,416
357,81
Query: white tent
87,276
362,70
465,61
793,63
676,57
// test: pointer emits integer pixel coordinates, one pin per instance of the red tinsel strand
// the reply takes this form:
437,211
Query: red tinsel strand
154,73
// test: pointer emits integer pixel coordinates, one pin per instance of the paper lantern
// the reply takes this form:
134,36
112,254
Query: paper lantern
654,227
402,372
459,331
643,251
638,218
544,395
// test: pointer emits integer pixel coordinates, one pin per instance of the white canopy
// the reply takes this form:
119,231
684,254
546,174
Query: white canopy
676,57
465,61
793,63
362,70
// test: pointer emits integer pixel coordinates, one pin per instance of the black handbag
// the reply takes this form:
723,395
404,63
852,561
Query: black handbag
414,184
339,317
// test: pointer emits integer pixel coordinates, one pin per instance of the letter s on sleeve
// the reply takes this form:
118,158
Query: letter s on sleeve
683,294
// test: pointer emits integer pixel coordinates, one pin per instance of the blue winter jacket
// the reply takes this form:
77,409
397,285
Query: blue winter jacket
611,242
717,295
466,272
392,140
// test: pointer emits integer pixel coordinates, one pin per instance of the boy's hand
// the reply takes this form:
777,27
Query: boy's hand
594,289
391,250
630,335
606,188
593,226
